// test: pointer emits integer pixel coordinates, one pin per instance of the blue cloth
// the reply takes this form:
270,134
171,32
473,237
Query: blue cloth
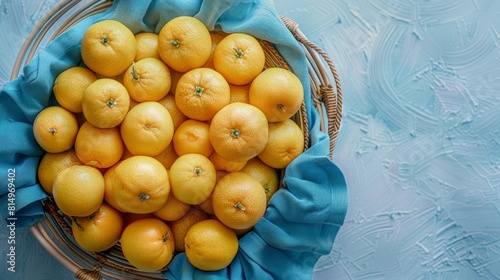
303,217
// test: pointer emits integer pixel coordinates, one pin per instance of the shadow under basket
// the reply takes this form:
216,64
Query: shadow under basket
54,230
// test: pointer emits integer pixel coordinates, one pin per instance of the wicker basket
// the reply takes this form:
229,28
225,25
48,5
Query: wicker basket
54,230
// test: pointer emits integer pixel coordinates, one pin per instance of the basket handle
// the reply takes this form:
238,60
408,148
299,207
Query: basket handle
329,95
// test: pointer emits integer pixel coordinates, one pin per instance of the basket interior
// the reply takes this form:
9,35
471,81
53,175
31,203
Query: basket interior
54,231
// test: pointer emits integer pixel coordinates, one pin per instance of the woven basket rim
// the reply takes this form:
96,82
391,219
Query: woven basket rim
327,100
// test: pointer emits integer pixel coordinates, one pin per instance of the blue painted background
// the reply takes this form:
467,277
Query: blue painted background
419,143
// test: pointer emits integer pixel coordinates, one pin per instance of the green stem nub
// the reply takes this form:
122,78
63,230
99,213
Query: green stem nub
239,206
235,133
238,53
176,43
105,40
135,76
111,102
281,108
197,171
198,90
143,196
52,131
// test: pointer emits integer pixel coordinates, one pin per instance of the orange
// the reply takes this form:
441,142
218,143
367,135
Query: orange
108,47
177,116
239,131
210,245
221,163
216,38
192,138
201,92
147,45
78,190
129,218
98,147
174,76
207,205
100,230
109,194
239,58
167,157
265,174
55,129
147,129
51,164
277,92
172,210
69,87
184,43
140,184
285,143
181,226
239,200
241,232
105,103
148,244
147,80
239,93
192,178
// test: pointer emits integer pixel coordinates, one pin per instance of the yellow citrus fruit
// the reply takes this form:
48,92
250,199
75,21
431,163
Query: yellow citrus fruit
216,38
210,245
181,226
285,143
147,129
239,200
184,43
109,194
265,174
239,58
55,129
174,76
147,80
177,116
79,190
69,87
98,147
192,138
105,103
147,45
192,178
172,210
201,92
167,157
100,230
140,184
239,131
239,93
207,205
277,92
129,218
221,163
126,153
241,232
108,47
51,164
148,244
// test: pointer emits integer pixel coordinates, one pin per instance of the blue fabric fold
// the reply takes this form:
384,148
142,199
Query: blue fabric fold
303,218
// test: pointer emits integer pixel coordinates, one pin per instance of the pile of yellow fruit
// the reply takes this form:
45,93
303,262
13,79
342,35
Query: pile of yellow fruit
168,142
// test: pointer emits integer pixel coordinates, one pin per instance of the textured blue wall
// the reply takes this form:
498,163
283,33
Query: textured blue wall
419,143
